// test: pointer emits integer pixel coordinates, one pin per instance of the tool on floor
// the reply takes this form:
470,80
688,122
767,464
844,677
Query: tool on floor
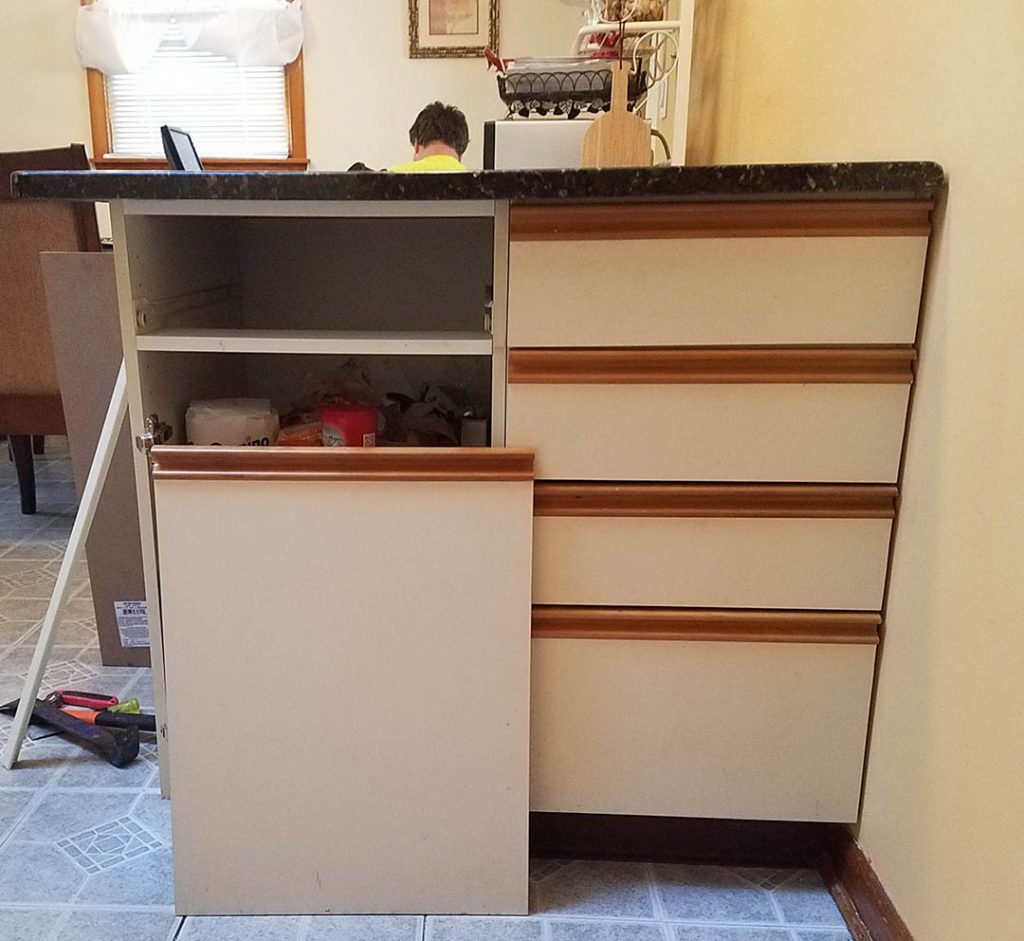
27,704
119,746
113,720
102,710
74,697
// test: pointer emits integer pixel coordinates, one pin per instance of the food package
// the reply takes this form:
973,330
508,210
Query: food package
231,422
349,426
304,435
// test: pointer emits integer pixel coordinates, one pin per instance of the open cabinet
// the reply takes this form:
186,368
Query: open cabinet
323,616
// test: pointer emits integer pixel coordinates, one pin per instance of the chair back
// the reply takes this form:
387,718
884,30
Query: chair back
29,393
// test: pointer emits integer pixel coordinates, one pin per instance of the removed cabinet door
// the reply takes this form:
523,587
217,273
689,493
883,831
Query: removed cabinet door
347,636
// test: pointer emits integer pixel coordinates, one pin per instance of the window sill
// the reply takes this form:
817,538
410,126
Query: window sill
290,164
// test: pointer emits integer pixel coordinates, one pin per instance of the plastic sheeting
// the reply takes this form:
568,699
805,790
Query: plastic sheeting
119,36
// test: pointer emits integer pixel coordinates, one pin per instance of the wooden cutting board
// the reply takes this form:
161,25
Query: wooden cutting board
618,138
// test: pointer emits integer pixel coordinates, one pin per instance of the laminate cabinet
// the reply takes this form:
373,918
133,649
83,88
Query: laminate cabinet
707,370
717,395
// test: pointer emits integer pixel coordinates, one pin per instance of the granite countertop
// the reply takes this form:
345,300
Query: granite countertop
899,180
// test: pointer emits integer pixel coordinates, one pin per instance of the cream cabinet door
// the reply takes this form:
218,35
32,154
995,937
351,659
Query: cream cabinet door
715,291
691,728
746,563
347,639
715,432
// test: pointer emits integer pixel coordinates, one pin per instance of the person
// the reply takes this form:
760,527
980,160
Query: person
439,137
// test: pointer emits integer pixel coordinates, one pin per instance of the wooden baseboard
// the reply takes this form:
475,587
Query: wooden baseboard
677,839
867,908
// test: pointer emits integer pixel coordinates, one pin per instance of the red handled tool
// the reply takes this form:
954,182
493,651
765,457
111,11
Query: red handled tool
119,746
74,697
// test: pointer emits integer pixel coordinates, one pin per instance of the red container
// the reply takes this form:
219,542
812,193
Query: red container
350,426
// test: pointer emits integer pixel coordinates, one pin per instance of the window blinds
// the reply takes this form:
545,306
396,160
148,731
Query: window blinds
230,110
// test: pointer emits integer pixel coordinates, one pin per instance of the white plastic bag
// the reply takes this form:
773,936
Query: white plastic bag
231,423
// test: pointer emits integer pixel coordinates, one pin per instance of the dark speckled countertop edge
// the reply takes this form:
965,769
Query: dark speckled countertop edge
801,181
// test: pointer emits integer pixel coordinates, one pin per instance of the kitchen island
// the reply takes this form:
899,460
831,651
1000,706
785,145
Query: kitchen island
707,373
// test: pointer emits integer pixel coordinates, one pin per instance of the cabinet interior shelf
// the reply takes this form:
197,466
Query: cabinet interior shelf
345,342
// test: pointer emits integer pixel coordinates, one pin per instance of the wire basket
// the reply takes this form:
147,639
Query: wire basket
564,92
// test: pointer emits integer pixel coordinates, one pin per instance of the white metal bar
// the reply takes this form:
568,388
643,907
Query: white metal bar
76,545
312,208
632,28
345,342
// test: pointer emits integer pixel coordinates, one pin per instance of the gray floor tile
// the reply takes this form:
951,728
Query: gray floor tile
34,925
365,928
38,763
88,770
154,813
604,931
467,928
603,889
12,633
711,893
61,815
822,935
716,933
19,609
269,928
117,926
18,658
763,877
37,873
148,880
142,690
12,804
805,900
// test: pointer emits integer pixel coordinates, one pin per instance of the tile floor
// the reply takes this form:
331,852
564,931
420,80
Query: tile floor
85,848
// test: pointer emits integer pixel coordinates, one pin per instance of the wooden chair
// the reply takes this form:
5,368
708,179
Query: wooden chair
30,400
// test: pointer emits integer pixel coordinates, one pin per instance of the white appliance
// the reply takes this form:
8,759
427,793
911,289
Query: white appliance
534,143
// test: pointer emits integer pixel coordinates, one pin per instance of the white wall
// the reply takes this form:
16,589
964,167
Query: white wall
362,90
943,814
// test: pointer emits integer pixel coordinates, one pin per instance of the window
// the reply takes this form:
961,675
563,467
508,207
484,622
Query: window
239,117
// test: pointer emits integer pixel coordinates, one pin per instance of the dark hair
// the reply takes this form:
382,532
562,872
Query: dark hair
440,122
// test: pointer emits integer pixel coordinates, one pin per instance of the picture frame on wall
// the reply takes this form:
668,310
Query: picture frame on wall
452,29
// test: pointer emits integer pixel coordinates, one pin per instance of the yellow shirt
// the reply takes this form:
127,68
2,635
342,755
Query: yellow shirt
436,163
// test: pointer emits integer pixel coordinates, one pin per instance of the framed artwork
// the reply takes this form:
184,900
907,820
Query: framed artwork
452,29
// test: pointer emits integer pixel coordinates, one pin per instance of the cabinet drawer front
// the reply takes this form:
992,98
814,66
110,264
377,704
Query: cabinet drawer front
770,731
747,563
698,291
740,432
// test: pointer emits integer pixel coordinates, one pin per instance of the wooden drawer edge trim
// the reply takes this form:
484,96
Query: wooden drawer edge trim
409,464
778,501
692,624
753,365
667,220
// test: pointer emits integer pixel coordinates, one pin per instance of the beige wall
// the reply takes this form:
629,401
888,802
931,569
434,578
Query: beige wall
362,90
44,100
943,813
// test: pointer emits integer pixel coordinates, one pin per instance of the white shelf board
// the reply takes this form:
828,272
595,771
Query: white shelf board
365,343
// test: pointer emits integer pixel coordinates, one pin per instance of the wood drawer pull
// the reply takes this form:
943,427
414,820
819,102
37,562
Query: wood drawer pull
888,364
778,501
536,223
409,464
703,624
